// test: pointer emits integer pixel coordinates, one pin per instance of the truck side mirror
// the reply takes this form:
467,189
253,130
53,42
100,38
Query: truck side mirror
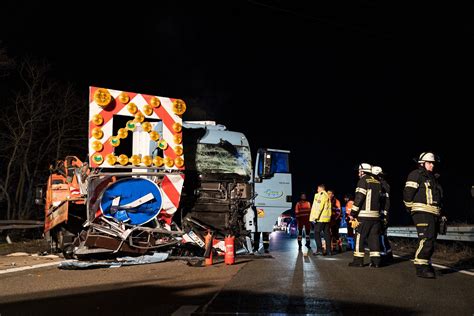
39,198
267,165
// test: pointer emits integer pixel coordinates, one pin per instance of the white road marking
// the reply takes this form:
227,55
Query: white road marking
444,267
35,266
185,310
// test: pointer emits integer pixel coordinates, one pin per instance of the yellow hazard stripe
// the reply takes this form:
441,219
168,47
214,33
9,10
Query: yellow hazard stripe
420,247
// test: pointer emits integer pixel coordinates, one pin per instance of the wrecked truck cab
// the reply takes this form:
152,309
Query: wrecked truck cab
217,189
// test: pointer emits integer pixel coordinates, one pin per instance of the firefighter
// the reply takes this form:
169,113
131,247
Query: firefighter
422,197
302,211
386,254
266,242
366,214
335,222
321,216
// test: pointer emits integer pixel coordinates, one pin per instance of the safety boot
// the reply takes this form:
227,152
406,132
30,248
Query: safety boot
375,262
357,262
423,271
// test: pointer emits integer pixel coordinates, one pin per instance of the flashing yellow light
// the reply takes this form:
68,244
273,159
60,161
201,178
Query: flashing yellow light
177,127
122,133
162,144
97,145
155,102
135,160
97,133
131,125
177,139
124,98
98,159
147,160
147,109
179,107
146,126
178,150
139,117
111,159
123,159
154,135
158,161
114,141
179,162
97,119
169,162
132,108
102,97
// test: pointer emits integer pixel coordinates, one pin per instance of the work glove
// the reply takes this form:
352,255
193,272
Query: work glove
354,223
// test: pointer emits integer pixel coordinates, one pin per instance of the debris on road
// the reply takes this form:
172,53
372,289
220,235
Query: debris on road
118,262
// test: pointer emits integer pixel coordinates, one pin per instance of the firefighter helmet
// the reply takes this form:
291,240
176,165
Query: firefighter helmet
376,170
427,157
365,167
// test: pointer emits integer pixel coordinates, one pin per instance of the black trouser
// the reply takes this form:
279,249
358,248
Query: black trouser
322,227
304,224
385,243
368,230
426,227
266,241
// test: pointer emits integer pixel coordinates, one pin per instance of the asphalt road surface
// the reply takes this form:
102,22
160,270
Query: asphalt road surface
289,283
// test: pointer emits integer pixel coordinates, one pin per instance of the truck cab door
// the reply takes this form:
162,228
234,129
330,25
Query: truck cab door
272,180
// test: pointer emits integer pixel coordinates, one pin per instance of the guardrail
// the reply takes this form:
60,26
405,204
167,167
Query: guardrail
19,224
455,233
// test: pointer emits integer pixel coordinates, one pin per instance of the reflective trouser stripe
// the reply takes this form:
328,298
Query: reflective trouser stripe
382,242
420,247
357,242
375,254
357,253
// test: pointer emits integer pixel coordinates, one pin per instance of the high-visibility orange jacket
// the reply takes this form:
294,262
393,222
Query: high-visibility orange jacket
302,210
349,207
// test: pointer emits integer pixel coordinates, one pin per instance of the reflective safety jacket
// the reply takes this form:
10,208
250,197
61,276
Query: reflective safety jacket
302,210
422,192
321,210
367,198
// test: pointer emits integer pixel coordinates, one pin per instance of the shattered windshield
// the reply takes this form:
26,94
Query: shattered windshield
213,158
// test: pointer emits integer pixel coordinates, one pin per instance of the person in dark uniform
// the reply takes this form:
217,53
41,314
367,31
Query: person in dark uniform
266,241
422,197
302,211
386,253
366,217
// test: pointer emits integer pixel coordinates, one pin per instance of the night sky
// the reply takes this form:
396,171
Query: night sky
337,85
